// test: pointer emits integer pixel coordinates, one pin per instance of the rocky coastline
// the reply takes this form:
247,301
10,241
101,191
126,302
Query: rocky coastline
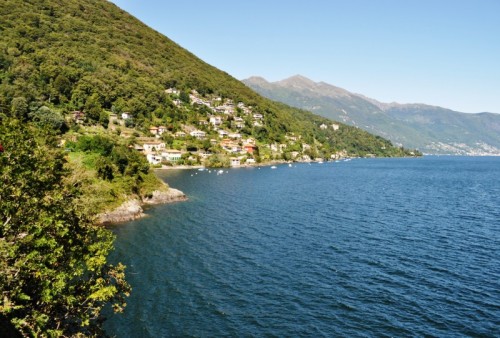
133,208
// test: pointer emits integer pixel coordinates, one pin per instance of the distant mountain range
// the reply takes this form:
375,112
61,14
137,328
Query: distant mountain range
431,129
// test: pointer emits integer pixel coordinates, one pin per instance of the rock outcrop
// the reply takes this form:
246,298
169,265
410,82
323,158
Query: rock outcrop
132,209
161,197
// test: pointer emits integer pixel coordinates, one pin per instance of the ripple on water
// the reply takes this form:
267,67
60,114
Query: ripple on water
387,247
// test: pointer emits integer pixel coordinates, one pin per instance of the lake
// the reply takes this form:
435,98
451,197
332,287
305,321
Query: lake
368,247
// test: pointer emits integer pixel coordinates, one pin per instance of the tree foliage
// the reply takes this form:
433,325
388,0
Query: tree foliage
54,277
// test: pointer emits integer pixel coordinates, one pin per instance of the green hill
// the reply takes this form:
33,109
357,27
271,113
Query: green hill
93,57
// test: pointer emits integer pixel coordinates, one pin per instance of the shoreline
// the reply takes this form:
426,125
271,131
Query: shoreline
187,167
132,209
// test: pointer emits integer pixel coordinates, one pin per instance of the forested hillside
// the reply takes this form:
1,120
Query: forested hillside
93,57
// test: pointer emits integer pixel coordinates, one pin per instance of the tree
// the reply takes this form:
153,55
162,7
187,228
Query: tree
104,168
54,277
93,108
19,108
47,118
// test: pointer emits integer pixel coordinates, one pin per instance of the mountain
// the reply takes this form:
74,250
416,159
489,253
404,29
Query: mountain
91,56
433,130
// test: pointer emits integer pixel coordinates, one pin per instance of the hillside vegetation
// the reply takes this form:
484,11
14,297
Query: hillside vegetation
61,56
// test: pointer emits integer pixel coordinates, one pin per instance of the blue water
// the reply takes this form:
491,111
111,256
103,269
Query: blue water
370,247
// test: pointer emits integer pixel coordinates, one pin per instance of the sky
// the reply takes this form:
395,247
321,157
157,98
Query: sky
439,52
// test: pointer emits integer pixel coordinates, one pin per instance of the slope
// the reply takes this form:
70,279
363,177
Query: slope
92,56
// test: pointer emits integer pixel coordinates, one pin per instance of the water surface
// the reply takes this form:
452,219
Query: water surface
371,247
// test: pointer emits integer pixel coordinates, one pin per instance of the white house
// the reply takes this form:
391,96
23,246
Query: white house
216,120
335,126
153,146
162,129
171,155
222,133
235,162
171,91
198,134
153,159
154,130
323,126
125,116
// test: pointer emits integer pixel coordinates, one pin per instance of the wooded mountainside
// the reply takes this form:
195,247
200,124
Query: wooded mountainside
92,56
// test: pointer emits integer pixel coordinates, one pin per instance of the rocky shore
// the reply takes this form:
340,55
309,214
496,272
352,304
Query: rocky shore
132,209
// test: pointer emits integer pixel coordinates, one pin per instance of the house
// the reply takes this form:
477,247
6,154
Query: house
154,130
249,148
239,125
162,129
78,116
323,126
177,102
335,126
171,91
220,109
126,116
258,116
225,109
216,120
198,134
234,136
202,122
180,134
222,133
153,158
138,148
230,146
235,162
171,155
153,146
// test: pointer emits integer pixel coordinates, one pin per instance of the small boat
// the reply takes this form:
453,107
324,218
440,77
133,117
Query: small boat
273,167
289,165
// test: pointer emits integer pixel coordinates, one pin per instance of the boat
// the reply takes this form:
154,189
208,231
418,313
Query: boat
273,167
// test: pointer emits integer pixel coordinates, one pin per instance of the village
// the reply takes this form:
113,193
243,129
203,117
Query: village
219,137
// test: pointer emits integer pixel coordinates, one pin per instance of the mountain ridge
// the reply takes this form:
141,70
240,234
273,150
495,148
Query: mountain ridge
431,129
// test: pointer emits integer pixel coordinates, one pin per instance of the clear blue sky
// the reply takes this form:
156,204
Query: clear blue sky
439,52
